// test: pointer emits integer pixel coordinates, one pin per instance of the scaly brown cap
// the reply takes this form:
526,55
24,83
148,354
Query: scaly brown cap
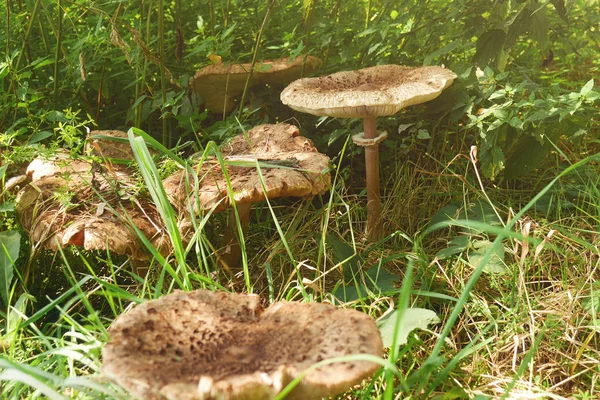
207,345
296,169
220,84
374,91
78,202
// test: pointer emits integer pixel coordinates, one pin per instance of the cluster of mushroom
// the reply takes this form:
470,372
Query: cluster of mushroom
214,345
107,212
366,93
291,167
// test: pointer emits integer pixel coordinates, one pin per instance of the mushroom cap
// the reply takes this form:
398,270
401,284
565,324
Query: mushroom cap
375,91
303,172
219,84
100,146
89,221
207,345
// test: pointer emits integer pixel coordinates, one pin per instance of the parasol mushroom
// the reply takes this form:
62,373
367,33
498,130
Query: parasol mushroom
206,345
87,204
368,93
292,167
219,84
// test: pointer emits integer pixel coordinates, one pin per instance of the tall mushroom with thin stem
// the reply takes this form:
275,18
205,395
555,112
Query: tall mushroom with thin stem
368,93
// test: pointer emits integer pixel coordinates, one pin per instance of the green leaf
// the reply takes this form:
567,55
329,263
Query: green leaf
450,212
10,245
3,170
413,318
453,394
587,88
455,246
489,47
525,156
559,5
540,27
375,279
450,47
496,262
39,136
7,207
423,134
344,253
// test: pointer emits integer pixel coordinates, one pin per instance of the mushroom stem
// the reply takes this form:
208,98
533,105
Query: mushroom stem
233,253
374,222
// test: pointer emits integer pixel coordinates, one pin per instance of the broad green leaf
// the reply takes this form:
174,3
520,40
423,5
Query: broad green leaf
375,279
10,245
561,9
7,207
39,136
455,246
587,87
453,394
450,47
489,47
344,253
413,318
450,212
540,27
525,156
496,262
423,134
3,170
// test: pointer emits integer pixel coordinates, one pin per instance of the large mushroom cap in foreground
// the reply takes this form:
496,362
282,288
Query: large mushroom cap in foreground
87,204
219,84
206,345
296,169
375,91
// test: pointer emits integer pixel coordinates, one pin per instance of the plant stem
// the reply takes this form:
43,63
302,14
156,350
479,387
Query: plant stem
34,13
374,223
233,252
57,52
256,47
161,59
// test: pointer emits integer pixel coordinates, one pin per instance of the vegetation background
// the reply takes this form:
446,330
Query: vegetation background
500,240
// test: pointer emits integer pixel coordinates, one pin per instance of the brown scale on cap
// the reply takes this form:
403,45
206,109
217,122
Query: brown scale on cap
297,170
87,204
220,84
205,345
291,167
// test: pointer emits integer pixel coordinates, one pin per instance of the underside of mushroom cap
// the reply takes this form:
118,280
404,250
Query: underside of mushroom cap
81,203
375,91
206,345
292,167
219,84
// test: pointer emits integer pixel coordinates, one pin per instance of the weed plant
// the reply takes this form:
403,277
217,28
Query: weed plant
491,196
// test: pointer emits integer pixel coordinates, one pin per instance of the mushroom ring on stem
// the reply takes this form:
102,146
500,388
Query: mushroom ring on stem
368,93
206,345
